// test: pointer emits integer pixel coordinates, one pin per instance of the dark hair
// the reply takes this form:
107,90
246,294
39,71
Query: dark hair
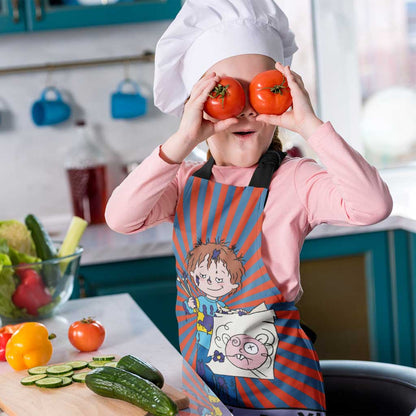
276,143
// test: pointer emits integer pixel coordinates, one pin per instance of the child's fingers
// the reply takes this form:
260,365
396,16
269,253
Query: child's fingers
206,79
279,66
293,79
269,119
202,89
225,124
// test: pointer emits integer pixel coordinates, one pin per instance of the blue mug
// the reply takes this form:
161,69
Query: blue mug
127,104
46,112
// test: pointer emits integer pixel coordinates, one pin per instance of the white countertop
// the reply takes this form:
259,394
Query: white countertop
128,331
103,245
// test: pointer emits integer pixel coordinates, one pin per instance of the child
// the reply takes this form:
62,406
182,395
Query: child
241,218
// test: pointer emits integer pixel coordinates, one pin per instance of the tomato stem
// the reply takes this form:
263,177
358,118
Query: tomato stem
277,89
88,320
51,336
220,91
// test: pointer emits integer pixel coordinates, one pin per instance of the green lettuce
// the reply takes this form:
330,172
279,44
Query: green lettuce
7,288
16,257
4,247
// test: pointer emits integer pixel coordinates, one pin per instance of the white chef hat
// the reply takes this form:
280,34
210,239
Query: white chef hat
206,31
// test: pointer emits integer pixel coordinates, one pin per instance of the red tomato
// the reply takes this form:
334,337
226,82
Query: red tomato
226,100
86,335
269,93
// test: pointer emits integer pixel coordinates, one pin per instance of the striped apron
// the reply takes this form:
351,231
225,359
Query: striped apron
235,327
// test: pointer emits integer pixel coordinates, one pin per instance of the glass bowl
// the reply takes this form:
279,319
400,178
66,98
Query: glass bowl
33,291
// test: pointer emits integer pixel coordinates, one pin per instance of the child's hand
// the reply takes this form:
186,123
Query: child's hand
301,118
193,128
193,125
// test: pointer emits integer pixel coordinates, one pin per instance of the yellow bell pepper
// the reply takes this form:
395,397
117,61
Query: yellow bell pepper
29,346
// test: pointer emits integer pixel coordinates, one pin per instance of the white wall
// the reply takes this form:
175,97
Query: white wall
32,175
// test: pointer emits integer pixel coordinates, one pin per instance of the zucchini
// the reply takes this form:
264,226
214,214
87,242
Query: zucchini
46,250
141,368
120,384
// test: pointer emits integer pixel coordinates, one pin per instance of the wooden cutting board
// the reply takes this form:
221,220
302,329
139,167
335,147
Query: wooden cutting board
74,400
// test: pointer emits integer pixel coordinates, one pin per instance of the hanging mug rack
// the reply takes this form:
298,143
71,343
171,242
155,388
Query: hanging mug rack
146,56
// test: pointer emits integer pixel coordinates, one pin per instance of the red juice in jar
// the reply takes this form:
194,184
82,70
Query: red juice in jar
89,192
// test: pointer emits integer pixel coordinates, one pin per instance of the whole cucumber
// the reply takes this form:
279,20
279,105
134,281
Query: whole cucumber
46,250
120,384
141,368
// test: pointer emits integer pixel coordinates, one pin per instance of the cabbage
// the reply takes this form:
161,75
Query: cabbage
17,236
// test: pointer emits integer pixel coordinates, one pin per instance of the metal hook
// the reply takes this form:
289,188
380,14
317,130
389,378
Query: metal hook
127,70
48,80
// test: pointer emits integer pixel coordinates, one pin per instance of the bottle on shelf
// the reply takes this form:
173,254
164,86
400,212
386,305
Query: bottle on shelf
86,168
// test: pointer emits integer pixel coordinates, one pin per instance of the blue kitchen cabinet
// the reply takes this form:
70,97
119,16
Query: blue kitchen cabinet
39,15
12,16
151,282
389,259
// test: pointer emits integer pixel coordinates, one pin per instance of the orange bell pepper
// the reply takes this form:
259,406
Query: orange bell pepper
29,346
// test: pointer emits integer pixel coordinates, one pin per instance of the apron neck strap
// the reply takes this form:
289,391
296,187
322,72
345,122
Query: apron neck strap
268,164
262,176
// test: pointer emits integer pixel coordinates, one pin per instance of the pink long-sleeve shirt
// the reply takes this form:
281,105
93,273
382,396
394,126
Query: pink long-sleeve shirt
348,191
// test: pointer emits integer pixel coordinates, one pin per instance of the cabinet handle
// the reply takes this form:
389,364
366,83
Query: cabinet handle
38,10
15,9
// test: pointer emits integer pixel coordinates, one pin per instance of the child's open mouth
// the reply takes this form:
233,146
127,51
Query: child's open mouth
244,133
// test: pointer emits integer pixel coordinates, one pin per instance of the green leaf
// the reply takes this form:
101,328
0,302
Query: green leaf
7,288
4,247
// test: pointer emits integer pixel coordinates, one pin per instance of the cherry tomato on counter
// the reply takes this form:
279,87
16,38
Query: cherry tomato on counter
86,335
269,93
226,100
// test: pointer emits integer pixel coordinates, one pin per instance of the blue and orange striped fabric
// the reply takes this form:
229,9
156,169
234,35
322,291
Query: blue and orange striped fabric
212,212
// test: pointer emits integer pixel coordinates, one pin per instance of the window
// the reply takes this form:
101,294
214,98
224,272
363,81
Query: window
366,59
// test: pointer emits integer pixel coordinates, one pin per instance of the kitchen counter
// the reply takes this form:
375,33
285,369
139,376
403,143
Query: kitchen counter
129,331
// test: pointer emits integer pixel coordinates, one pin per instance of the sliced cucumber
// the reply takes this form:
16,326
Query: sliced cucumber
96,364
66,381
78,365
80,377
49,382
111,364
29,380
104,358
37,370
58,369
67,374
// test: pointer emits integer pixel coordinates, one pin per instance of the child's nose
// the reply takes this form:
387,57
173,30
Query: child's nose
248,110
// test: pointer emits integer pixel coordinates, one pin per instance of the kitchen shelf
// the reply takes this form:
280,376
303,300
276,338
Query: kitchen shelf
146,56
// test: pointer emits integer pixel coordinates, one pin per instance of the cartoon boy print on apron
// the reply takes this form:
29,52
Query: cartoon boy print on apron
235,327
